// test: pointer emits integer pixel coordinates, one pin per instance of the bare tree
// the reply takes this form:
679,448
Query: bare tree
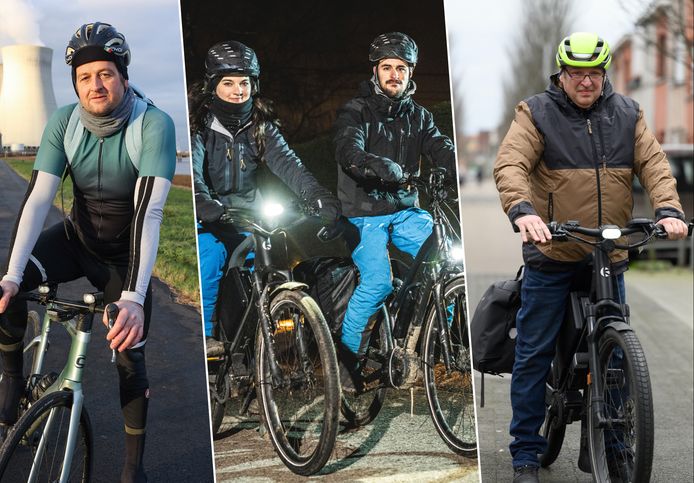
678,19
531,54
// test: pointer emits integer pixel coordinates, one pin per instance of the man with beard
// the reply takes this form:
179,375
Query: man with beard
380,136
112,233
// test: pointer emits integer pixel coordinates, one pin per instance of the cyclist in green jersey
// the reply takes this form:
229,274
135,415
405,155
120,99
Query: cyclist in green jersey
120,153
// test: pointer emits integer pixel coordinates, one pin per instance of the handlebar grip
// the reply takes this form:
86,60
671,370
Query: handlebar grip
112,314
660,231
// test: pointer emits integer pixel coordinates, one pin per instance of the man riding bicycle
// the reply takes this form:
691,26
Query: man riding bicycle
570,154
120,153
380,136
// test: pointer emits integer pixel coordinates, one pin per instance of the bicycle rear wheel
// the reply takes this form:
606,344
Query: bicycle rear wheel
48,421
554,427
449,392
360,409
622,448
301,413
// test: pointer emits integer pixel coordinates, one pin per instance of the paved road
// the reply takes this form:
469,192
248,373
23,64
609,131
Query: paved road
397,446
178,438
662,312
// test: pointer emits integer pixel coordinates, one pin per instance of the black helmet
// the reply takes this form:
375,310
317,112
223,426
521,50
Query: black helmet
98,41
393,45
231,57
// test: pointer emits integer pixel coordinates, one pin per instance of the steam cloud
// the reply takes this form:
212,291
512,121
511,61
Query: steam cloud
19,20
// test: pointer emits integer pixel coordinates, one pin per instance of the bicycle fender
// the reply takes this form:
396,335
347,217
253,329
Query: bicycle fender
287,286
619,326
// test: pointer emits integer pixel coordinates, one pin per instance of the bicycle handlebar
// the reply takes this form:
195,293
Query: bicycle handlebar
564,231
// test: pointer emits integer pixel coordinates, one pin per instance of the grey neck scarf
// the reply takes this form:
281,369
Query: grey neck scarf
103,126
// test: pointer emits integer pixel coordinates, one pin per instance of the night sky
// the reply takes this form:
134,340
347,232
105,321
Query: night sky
314,53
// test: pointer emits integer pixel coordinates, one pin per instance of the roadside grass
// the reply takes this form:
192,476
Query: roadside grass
176,263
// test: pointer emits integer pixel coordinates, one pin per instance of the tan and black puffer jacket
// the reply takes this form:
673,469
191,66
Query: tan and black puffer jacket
563,163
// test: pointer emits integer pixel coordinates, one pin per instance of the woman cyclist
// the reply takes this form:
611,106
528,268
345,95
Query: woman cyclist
234,135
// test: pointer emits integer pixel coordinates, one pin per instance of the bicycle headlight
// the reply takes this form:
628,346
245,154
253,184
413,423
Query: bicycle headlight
89,298
457,253
611,232
272,209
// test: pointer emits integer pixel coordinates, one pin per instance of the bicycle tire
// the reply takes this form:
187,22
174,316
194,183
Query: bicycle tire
627,393
17,452
450,394
360,409
302,415
554,428
218,388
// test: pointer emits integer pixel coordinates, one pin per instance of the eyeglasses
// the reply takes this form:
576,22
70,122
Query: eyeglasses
579,77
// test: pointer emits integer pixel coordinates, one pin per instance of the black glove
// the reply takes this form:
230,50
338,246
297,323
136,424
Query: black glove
208,210
389,171
329,207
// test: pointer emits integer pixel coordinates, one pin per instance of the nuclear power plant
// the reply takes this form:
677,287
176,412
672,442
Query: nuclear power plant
26,94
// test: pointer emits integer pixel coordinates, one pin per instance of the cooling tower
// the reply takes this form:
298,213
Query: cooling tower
26,98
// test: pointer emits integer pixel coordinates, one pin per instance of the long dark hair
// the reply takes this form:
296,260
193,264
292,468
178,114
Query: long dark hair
199,99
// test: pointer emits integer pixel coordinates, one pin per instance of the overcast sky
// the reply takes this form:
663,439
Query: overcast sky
151,27
479,35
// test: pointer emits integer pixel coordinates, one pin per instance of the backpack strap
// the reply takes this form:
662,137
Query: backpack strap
133,132
73,134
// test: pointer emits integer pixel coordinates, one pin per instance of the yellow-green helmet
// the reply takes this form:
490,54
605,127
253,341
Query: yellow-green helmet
584,49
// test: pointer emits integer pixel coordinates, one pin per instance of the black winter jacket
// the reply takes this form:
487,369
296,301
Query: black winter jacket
371,127
225,167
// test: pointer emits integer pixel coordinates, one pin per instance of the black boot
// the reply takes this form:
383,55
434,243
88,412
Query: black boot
351,378
12,385
133,471
525,474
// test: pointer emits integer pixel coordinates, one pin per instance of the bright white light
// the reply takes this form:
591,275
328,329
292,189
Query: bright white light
89,298
611,233
272,209
457,253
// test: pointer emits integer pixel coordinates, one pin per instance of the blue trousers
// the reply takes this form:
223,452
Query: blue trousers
544,297
213,255
407,230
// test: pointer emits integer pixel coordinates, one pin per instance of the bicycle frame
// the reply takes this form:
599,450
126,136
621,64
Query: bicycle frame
430,268
79,326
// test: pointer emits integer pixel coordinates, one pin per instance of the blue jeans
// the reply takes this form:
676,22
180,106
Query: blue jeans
407,230
544,297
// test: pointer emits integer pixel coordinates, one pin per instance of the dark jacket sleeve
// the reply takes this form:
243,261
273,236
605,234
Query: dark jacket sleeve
206,208
350,142
286,165
437,147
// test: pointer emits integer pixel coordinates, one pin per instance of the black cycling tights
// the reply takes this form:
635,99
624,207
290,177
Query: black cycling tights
63,258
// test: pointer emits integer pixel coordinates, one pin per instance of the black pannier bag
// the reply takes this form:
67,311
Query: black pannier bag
493,329
331,283
232,299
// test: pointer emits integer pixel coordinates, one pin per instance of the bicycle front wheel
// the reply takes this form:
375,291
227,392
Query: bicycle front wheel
301,410
449,390
39,440
621,447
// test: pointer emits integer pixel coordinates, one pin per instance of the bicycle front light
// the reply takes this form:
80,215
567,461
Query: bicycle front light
457,253
611,232
272,209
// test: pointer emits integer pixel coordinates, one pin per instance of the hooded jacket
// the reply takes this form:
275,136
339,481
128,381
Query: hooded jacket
563,163
372,128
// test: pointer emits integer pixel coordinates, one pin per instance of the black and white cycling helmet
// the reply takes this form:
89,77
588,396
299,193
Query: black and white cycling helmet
231,57
98,41
394,45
